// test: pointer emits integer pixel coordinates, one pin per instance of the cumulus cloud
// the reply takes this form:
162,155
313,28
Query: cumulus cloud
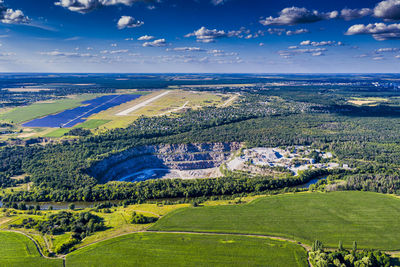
128,22
294,50
281,31
322,43
155,43
187,49
350,14
66,54
317,54
296,15
146,38
388,10
296,32
112,52
380,31
11,16
85,6
387,49
205,35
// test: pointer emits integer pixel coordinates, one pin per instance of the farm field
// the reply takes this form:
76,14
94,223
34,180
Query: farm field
71,117
40,109
371,219
89,124
360,101
163,249
160,103
18,250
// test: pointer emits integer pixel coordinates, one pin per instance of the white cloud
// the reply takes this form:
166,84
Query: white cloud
296,15
296,32
387,50
317,54
85,6
380,31
112,52
277,31
155,43
294,50
205,35
128,22
388,10
146,38
218,2
350,14
11,16
66,54
322,43
187,49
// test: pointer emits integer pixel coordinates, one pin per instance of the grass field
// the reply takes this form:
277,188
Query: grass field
37,110
92,124
18,250
162,249
371,219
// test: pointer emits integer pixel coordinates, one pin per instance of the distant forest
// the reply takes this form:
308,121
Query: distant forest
364,137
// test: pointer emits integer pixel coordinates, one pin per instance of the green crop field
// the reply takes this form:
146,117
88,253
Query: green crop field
162,249
37,110
91,124
371,219
18,250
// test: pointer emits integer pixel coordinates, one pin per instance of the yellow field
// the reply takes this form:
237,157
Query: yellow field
360,101
174,102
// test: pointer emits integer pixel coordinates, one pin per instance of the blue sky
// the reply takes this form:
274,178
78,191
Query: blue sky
257,36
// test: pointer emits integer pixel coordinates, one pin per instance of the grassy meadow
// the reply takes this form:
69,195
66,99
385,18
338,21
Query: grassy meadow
18,250
371,219
162,249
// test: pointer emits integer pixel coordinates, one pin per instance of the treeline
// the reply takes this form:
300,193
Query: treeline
388,184
167,188
342,257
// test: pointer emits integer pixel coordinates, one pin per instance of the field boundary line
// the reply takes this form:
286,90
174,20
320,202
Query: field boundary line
35,243
142,104
306,247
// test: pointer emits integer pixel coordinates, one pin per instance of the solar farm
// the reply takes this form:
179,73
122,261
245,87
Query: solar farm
72,117
99,112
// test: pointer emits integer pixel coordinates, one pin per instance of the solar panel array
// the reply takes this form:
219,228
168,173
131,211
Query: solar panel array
71,117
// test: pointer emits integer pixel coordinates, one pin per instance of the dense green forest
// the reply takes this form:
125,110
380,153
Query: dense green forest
364,138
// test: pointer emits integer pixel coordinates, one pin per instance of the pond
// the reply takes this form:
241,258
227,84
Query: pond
311,182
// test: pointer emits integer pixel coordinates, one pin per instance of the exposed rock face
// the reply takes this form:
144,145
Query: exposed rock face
179,161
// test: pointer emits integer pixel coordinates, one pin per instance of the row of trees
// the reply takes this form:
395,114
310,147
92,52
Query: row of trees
341,257
168,188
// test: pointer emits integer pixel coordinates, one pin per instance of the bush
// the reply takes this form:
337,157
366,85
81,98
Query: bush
141,219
